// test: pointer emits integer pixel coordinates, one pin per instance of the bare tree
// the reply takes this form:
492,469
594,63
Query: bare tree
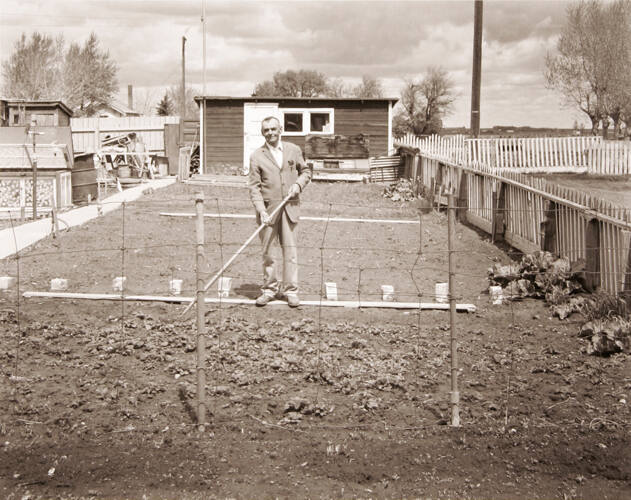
368,88
592,60
423,104
34,69
337,88
146,100
83,77
191,109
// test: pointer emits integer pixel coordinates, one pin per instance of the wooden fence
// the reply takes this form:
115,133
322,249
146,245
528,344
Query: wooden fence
589,155
451,148
533,214
610,158
149,128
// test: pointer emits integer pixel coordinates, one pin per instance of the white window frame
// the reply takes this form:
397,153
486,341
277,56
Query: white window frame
306,120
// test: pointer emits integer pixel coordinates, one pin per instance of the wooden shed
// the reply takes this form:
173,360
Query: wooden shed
19,113
231,126
54,165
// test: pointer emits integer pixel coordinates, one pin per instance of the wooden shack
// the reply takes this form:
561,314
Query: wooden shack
54,165
19,113
231,128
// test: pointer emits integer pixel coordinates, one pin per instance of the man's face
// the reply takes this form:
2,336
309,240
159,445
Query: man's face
271,131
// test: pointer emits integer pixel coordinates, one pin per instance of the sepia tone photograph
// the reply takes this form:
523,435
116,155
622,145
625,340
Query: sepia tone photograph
319,249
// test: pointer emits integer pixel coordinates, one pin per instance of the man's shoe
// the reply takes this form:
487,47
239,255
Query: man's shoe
264,299
293,300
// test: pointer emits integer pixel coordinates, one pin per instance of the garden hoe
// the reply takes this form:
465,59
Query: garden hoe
227,264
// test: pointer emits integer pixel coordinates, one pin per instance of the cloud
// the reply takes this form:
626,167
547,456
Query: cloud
247,41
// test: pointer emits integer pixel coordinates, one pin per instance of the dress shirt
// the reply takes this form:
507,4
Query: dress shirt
277,153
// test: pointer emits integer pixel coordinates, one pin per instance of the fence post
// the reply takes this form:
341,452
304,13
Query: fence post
451,238
549,228
626,268
463,196
498,222
201,330
592,253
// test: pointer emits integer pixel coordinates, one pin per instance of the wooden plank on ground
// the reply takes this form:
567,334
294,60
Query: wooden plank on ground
177,299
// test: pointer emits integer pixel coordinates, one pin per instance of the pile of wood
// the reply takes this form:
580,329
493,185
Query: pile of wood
402,190
194,162
539,275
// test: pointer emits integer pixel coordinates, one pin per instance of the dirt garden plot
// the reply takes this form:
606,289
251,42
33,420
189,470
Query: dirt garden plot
98,398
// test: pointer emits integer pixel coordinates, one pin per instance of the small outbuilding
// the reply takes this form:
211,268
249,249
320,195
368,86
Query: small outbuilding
51,157
19,113
231,127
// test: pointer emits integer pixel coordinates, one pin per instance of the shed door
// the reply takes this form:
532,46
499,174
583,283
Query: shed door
253,114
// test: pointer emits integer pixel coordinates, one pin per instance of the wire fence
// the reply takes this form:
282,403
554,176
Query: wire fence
152,252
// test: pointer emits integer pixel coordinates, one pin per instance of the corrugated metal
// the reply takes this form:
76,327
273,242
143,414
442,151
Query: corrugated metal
149,128
386,169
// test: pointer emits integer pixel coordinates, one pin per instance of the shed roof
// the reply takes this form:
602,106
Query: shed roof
54,147
120,108
39,104
49,156
296,99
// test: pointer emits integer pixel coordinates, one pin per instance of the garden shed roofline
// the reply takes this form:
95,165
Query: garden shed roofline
393,100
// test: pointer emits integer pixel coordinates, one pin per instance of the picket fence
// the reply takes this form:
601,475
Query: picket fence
149,128
534,154
530,213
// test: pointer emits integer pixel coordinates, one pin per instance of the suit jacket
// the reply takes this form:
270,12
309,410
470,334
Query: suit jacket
269,184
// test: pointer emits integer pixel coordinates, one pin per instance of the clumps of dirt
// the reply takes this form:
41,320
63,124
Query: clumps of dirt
402,190
539,275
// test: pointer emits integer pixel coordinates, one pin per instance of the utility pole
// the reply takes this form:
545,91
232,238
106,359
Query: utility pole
477,68
202,127
183,95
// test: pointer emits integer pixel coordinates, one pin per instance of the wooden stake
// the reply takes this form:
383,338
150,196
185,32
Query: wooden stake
55,221
201,327
451,237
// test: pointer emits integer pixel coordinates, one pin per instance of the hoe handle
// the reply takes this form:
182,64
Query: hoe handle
231,260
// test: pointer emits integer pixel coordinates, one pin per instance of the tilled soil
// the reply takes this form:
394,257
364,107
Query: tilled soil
99,398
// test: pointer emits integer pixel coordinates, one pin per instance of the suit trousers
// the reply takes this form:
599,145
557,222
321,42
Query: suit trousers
282,231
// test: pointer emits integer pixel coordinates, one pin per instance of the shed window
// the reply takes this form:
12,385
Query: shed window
320,122
293,122
305,121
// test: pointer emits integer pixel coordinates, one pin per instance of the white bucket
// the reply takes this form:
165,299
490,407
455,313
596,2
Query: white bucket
118,283
496,294
442,292
223,287
175,287
58,284
387,293
331,290
7,282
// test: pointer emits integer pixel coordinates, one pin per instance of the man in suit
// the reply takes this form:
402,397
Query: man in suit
277,170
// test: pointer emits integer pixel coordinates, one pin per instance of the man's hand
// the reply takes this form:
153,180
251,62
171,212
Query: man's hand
265,218
294,190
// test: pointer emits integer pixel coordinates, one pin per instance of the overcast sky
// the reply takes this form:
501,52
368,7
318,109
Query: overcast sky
246,42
